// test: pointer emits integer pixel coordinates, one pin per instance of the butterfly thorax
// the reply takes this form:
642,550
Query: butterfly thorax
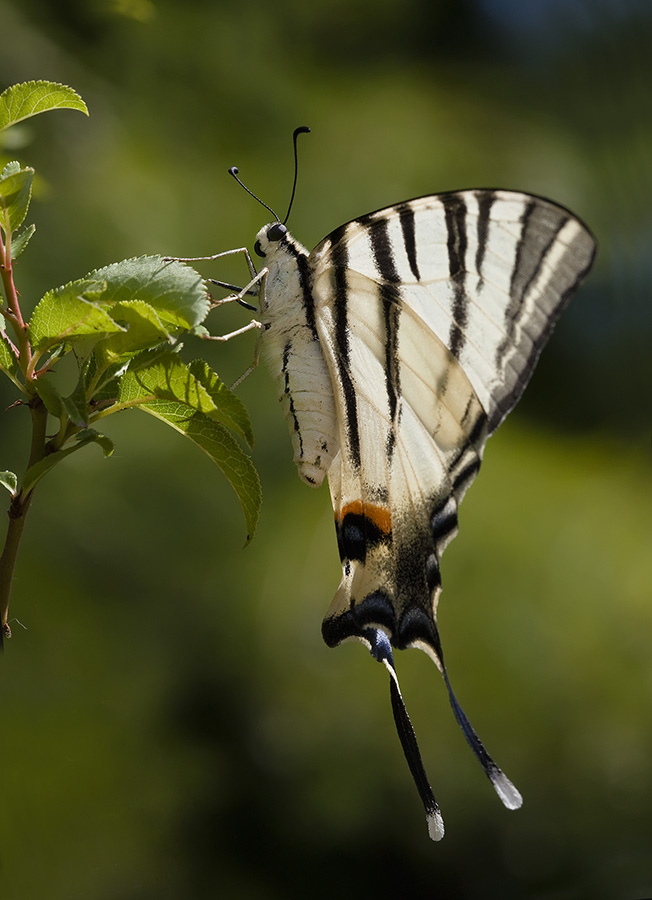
293,351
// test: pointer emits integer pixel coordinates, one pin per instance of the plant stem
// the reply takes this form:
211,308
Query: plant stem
17,513
15,314
18,509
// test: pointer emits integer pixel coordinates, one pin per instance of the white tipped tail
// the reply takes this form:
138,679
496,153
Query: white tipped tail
509,794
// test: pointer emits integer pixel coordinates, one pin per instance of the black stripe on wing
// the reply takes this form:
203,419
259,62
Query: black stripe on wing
485,202
542,224
406,218
455,214
343,350
390,299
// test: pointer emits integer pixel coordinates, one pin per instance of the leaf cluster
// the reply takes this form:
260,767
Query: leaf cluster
123,325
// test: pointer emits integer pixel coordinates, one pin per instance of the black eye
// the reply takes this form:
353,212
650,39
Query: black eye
276,232
258,250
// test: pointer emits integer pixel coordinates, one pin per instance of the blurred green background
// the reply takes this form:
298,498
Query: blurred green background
171,724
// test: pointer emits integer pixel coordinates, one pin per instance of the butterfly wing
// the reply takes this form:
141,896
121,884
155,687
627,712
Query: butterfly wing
431,316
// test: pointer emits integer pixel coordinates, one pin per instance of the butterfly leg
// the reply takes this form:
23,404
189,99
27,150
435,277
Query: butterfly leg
237,292
227,337
254,362
257,281
243,250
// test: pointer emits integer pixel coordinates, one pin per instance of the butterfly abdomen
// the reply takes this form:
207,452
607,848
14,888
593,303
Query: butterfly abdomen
294,353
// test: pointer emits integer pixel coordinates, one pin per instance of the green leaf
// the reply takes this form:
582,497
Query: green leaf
34,474
215,440
20,101
65,314
15,194
156,298
100,388
91,435
49,395
10,481
76,408
143,329
173,289
162,375
20,240
11,168
229,408
8,361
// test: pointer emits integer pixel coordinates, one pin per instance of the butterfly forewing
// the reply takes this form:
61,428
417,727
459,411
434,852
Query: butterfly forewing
488,271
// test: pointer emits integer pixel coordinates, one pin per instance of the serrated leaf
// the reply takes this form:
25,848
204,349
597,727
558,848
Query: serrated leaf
65,314
162,375
229,409
20,240
10,481
8,361
11,168
15,194
20,101
215,440
143,328
173,289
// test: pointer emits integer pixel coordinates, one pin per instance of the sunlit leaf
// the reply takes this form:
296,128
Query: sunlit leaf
162,375
20,240
65,313
229,408
8,361
154,298
143,329
20,101
10,481
173,289
15,194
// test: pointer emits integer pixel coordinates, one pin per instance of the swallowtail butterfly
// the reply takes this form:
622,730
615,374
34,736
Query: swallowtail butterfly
399,344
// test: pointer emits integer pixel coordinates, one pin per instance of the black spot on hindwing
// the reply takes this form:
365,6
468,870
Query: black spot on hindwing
356,534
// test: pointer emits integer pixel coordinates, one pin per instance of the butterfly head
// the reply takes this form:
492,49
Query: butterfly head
269,238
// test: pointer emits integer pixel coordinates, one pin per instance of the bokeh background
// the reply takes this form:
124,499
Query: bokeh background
171,725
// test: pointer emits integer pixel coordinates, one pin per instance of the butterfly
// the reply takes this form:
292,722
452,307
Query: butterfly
399,344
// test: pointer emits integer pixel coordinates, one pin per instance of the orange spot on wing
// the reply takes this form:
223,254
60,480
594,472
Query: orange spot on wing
379,515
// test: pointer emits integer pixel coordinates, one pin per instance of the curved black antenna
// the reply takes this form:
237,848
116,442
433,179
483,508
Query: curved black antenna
234,171
302,129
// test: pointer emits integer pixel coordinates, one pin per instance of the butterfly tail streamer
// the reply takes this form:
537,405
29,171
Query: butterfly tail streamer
380,649
507,792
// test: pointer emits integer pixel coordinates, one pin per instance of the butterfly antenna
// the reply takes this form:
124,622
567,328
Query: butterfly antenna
234,171
302,129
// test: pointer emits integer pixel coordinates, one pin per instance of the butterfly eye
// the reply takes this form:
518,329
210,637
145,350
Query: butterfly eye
276,232
258,250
